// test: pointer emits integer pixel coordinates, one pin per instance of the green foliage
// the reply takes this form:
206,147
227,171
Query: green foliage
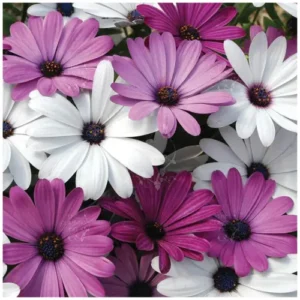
8,20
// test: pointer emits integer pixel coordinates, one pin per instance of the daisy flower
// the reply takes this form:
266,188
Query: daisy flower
277,162
269,94
167,218
51,56
169,82
92,133
209,278
67,10
291,8
16,156
133,277
62,249
205,22
113,14
253,227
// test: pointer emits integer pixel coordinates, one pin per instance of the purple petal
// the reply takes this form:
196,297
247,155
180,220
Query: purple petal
223,33
16,253
174,251
143,242
188,123
46,86
126,231
198,108
192,243
166,121
22,90
67,85
142,109
241,265
50,286
130,91
213,98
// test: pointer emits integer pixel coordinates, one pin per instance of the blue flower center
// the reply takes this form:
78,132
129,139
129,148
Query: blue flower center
140,289
225,279
258,167
93,133
135,16
237,230
8,130
51,69
259,96
66,9
51,246
155,231
167,96
188,32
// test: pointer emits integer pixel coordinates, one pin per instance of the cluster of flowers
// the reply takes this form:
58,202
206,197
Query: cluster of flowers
224,229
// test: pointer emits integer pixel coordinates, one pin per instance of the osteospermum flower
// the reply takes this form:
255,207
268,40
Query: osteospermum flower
51,56
169,82
210,278
205,22
168,218
255,227
269,94
133,277
16,156
62,249
277,162
91,139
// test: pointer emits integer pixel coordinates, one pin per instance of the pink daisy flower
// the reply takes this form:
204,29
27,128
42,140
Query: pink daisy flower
168,216
254,226
62,249
169,82
205,22
51,56
133,277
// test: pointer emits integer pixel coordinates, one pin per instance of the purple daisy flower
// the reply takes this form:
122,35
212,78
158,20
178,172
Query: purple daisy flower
51,56
168,216
169,82
205,22
62,248
254,228
133,277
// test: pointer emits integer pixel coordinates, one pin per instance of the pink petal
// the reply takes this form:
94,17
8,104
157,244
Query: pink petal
198,108
174,251
50,287
46,86
22,90
212,98
142,109
235,192
188,123
192,243
164,261
166,121
241,265
144,243
131,92
16,253
126,231
66,85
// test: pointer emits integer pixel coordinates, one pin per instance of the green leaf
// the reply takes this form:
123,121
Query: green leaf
273,14
8,20
270,23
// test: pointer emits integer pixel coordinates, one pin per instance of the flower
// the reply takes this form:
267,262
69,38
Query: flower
67,10
133,277
51,56
277,162
91,139
291,8
113,14
254,226
270,94
168,82
168,218
210,278
9,289
205,22
16,156
62,248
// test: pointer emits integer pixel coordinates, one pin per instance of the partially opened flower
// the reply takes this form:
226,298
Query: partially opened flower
16,156
277,162
62,249
133,277
168,218
269,94
91,139
255,226
169,82
210,278
291,8
51,56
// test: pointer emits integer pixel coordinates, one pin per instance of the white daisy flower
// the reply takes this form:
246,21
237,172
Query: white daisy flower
270,94
91,139
10,290
208,278
16,157
113,14
277,162
291,8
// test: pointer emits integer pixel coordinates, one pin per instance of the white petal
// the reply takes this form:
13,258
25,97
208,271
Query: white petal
110,23
6,154
39,10
83,103
288,180
10,290
101,10
7,180
286,100
291,8
286,110
213,293
159,142
257,148
238,61
7,101
118,177
246,122
64,162
81,15
200,185
288,89
245,291
258,56
92,175
265,127
282,121
284,164
283,265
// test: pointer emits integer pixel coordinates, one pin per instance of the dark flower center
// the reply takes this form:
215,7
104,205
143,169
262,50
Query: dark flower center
167,96
8,130
225,279
51,69
292,26
51,246
140,289
134,16
258,167
66,9
93,133
155,231
259,96
237,230
188,32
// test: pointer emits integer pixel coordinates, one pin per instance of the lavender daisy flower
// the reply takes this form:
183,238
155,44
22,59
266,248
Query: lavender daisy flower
169,82
51,56
133,277
62,249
